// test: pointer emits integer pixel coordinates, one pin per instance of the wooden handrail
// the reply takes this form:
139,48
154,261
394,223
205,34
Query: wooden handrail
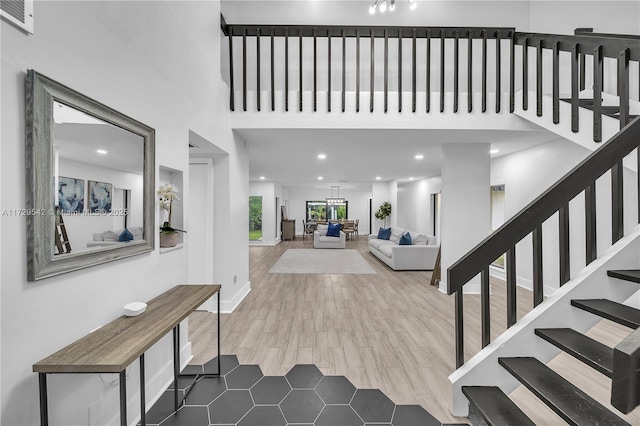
540,209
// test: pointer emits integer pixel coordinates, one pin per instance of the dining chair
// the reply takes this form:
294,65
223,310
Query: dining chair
355,228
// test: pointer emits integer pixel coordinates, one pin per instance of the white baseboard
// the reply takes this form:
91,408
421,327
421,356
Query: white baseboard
264,243
228,306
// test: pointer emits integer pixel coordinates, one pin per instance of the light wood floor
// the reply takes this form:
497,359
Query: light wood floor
390,331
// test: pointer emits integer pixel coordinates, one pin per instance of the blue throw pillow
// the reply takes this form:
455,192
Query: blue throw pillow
405,240
384,234
333,230
125,236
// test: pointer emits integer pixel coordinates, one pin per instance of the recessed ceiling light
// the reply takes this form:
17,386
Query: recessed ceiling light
494,151
419,157
322,156
378,178
410,178
320,178
101,151
262,177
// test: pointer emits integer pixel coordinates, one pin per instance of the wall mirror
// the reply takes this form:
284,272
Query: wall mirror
90,181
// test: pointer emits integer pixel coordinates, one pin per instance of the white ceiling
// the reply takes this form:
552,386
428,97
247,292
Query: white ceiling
356,157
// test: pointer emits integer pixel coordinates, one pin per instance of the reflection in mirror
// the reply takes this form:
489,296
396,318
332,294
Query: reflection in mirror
90,173
98,173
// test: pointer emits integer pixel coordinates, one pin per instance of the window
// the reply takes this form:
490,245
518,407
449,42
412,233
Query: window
316,210
319,209
255,218
338,211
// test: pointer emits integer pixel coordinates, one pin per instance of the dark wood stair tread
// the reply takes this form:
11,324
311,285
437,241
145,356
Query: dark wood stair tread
494,406
627,275
613,311
591,352
569,402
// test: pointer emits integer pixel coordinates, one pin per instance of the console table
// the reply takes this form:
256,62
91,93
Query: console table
113,347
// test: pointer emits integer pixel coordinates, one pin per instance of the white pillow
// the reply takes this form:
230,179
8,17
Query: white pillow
418,239
322,229
432,240
396,233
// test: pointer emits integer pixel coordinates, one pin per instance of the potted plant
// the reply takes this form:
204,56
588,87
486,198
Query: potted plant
168,234
383,212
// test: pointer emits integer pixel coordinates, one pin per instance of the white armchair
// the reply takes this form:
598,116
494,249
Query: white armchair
321,240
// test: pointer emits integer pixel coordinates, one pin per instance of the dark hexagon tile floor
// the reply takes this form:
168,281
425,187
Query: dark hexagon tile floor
243,396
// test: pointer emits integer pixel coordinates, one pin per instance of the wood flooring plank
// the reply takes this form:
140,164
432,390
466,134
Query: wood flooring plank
367,327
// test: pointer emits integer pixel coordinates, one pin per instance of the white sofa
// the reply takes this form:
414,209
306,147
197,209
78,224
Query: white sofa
111,238
419,256
321,240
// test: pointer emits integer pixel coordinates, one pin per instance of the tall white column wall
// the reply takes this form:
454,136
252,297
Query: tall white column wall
466,203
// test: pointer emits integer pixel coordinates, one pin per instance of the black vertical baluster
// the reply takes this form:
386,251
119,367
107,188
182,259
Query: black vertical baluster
597,94
400,70
286,69
539,79
470,72
575,89
485,307
538,285
258,60
386,68
413,74
556,82
300,71
244,69
373,51
456,71
512,72
428,66
344,68
498,71
623,86
459,325
232,92
590,222
565,269
357,70
583,71
511,287
315,69
442,59
617,217
273,78
525,74
484,71
329,71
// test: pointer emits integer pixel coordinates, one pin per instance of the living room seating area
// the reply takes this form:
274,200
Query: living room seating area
403,249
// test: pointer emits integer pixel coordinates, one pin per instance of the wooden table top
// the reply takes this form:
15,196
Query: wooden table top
111,348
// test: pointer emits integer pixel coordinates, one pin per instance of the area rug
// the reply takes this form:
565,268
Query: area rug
321,261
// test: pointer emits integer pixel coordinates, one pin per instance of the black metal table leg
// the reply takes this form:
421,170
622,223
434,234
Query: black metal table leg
143,404
44,411
175,367
123,398
219,354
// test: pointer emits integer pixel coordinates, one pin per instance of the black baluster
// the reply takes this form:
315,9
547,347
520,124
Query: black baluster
344,69
470,72
617,216
484,71
597,94
511,287
244,69
512,72
413,74
563,228
315,69
232,92
575,88
538,280
329,71
286,69
258,60
498,71
386,68
357,70
525,74
539,79
442,59
400,70
556,82
459,327
590,222
485,307
456,48
273,78
428,69
372,81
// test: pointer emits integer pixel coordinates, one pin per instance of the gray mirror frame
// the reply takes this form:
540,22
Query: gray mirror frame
41,92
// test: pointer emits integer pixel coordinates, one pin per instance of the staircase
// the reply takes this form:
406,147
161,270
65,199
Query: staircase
488,405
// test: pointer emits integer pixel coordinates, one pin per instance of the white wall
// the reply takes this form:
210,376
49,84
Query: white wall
415,210
465,192
526,175
80,228
158,74
358,205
